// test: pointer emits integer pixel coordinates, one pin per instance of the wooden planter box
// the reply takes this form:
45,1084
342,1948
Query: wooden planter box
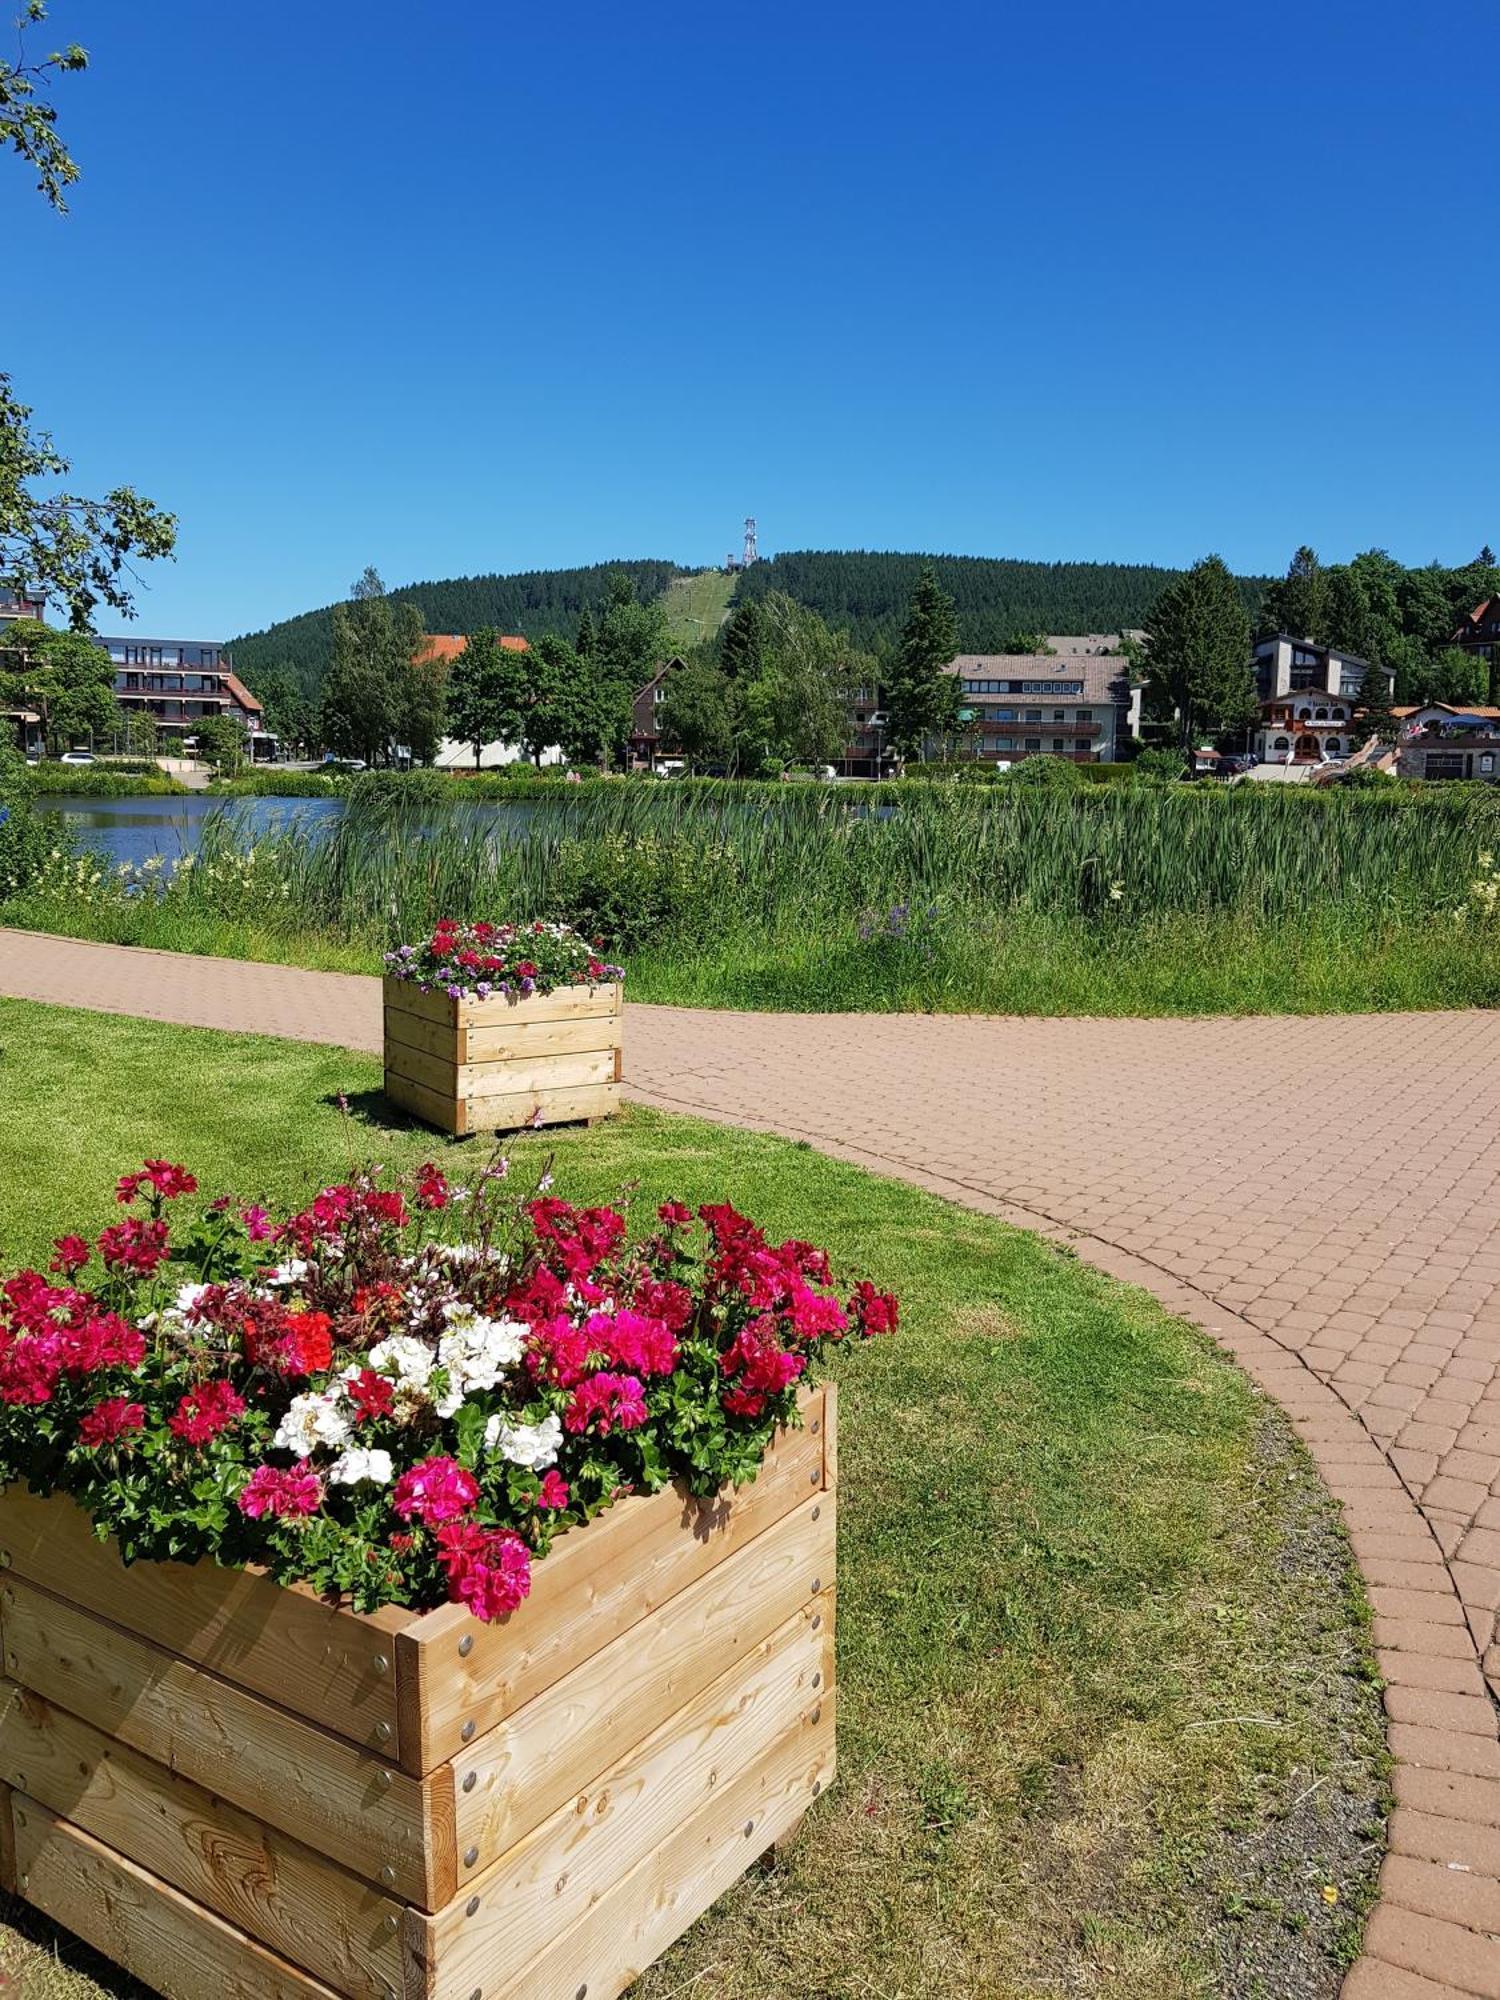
231,1788
492,1065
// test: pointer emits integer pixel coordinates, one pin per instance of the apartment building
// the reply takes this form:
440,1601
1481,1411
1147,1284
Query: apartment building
181,682
1018,705
1309,697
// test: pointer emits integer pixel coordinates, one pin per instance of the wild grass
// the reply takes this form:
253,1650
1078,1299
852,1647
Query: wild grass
106,781
1107,1722
1136,899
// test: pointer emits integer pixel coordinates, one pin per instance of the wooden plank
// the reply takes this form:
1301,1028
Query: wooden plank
166,1940
555,1107
598,1582
632,1924
550,1748
512,1078
574,1036
7,1842
318,1788
329,1664
430,1105
549,1879
293,1900
567,1003
427,1037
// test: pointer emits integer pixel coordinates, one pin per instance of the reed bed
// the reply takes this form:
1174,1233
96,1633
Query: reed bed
1129,899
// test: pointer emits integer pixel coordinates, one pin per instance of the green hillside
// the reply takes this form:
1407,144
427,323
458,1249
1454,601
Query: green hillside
532,601
867,591
697,605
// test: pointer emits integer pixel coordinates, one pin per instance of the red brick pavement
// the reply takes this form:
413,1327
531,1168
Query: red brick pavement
1320,1194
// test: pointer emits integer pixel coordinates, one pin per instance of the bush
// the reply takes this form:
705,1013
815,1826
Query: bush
631,890
24,840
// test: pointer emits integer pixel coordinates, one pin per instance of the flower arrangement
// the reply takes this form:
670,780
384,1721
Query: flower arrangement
403,1391
475,961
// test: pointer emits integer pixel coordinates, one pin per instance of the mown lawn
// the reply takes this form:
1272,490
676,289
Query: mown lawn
1108,1721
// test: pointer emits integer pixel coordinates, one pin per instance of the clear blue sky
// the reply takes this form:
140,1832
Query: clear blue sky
462,287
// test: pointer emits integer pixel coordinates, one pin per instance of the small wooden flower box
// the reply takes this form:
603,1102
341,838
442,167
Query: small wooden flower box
493,1065
231,1788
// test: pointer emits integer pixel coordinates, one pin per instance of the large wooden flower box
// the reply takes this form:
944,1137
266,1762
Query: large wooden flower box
235,1789
494,1065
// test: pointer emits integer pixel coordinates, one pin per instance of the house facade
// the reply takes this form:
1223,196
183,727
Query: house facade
1441,741
181,683
648,746
1018,705
1308,698
1479,634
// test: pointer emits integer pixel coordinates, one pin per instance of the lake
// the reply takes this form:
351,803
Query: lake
136,829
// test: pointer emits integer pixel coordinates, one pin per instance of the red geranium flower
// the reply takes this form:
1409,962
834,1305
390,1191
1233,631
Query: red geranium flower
285,1493
70,1254
109,1421
205,1411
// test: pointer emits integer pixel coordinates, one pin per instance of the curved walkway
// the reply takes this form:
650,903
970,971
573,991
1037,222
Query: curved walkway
1321,1194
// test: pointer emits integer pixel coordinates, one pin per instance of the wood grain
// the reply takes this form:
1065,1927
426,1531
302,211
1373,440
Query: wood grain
549,1878
549,1749
312,1657
297,1902
121,1909
320,1789
596,1583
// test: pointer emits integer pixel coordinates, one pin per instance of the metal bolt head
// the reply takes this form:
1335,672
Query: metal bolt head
392,1921
4,1558
816,1512
817,1714
477,1994
383,1732
471,1855
466,1645
388,1874
815,1426
815,1479
471,1781
817,1786
817,1621
381,1663
749,1828
384,1780
817,1585
20,1781
467,1732
817,1680
471,1907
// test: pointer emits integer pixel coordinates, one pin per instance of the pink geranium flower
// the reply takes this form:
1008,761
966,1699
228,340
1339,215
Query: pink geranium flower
285,1493
436,1490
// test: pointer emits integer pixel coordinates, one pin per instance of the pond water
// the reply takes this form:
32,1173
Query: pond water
136,829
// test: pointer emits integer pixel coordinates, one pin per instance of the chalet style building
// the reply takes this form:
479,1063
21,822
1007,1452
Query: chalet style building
1441,741
1018,705
647,745
1479,634
1308,697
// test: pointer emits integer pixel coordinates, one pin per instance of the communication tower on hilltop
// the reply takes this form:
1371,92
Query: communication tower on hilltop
733,562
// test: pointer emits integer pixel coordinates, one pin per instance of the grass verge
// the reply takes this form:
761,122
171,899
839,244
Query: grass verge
1108,1718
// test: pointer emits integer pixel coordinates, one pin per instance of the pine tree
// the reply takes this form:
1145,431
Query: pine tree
921,696
1298,604
1374,716
1198,654
586,640
742,642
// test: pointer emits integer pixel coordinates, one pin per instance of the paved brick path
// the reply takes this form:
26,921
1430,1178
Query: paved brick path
1321,1194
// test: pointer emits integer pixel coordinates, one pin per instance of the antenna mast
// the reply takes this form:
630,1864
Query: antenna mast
752,554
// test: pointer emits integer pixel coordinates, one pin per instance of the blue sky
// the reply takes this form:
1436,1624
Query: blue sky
465,287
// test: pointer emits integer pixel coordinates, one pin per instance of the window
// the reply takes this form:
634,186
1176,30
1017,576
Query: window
1084,715
1059,743
1059,715
1332,746
1046,687
1486,763
1005,743
1033,742
1282,743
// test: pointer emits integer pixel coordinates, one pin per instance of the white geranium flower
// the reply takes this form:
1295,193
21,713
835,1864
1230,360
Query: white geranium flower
311,1420
290,1273
533,1445
358,1468
410,1361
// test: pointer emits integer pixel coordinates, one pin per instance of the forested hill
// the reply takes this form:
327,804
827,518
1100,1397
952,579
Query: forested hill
865,591
532,601
868,591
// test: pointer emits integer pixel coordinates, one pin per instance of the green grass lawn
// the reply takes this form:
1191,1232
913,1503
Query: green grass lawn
1108,1724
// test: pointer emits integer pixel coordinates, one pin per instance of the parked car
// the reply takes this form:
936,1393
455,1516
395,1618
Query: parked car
78,757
